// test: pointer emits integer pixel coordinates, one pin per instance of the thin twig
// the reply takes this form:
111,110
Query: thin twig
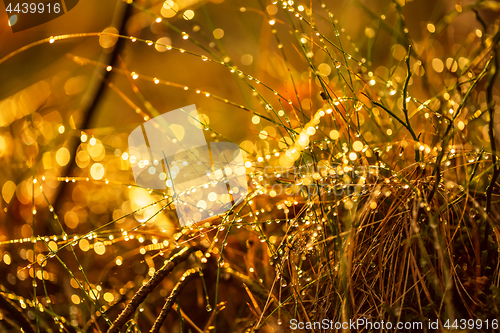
405,109
147,288
186,318
183,281
406,123
218,308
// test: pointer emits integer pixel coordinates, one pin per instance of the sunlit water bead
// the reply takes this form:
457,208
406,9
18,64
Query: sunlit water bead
169,9
108,37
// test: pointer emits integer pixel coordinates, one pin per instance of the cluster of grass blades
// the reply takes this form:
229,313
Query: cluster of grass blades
371,162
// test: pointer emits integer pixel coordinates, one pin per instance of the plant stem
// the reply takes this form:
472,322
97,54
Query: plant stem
446,138
491,124
406,123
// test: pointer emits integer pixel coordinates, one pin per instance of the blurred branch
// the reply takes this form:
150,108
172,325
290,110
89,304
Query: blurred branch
92,106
